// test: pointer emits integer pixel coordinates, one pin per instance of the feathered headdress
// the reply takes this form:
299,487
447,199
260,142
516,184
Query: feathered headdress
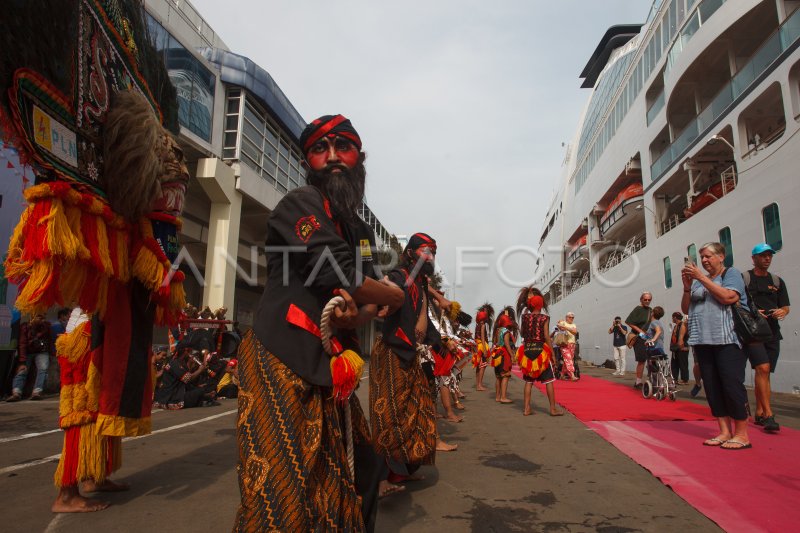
485,313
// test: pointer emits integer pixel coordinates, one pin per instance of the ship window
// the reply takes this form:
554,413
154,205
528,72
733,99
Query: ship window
725,239
772,226
667,273
691,251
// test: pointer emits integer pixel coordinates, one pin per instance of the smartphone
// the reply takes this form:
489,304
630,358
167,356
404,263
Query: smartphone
687,261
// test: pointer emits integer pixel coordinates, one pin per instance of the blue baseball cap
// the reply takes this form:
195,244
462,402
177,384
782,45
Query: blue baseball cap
762,247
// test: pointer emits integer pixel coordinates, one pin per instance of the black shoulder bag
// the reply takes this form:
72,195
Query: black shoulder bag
749,325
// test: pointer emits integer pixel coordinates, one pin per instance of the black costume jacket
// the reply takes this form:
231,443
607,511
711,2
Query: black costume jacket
398,328
301,282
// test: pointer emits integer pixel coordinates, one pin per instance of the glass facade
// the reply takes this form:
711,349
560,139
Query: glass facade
255,139
194,83
602,120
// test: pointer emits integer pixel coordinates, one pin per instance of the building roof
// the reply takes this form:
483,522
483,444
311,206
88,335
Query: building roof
239,70
614,37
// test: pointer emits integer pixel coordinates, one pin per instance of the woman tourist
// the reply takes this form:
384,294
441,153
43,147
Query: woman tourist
708,297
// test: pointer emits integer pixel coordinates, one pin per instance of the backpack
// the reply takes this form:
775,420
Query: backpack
776,280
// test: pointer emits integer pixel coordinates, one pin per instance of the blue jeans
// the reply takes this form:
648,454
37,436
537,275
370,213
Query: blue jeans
42,364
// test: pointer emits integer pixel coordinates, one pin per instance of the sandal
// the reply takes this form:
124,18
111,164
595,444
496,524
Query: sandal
737,445
716,441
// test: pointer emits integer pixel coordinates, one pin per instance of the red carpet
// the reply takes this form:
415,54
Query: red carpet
748,490
597,399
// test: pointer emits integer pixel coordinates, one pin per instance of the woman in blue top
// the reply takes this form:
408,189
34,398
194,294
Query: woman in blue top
707,298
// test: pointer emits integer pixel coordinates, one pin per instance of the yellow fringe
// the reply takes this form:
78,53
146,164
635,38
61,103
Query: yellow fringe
41,275
115,450
177,295
148,269
73,276
102,247
74,221
120,426
93,388
93,452
75,344
14,266
60,236
76,418
65,400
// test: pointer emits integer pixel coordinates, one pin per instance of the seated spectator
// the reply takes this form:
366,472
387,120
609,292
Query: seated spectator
179,382
228,386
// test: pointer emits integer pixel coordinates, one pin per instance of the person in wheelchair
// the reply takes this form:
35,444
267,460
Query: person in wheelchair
659,376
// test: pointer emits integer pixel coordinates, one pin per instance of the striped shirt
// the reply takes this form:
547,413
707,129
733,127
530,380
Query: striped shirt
711,322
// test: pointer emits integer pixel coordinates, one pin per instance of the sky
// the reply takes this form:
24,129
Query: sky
464,109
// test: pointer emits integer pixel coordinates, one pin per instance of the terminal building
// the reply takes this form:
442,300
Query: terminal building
240,134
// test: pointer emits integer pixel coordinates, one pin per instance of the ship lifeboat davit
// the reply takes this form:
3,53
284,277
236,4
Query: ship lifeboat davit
708,197
621,218
579,249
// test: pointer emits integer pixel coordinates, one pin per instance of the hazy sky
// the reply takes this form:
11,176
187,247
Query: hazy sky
462,107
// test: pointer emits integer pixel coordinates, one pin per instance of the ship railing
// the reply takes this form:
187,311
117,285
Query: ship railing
671,223
757,144
763,61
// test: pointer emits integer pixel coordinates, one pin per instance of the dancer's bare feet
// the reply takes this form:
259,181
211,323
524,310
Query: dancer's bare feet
441,446
69,500
106,486
528,412
385,489
455,418
556,412
460,406
505,400
481,389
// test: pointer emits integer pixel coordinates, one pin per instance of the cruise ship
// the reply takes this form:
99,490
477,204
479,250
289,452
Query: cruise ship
689,136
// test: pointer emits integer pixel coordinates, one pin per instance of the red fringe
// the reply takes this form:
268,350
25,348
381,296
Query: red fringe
71,455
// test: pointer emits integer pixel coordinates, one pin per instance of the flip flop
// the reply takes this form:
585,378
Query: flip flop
719,442
739,445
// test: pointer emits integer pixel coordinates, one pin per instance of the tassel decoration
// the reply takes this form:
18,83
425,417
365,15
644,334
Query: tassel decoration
346,369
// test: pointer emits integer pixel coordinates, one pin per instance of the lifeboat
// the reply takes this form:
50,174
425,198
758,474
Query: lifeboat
579,249
620,217
709,196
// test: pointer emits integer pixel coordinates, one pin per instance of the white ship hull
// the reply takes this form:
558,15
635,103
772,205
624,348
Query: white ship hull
598,289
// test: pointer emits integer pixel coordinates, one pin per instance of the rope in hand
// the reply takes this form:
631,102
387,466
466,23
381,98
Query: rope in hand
325,334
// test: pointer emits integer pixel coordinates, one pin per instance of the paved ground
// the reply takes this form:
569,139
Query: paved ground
511,473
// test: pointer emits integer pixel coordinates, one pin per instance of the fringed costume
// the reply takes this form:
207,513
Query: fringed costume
401,400
84,104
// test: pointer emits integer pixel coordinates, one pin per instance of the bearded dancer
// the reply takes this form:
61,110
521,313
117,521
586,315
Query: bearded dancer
484,317
293,471
401,401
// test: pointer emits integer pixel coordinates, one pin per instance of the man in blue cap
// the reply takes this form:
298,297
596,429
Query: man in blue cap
770,297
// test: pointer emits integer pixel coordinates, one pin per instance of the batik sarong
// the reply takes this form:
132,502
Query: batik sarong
401,409
293,473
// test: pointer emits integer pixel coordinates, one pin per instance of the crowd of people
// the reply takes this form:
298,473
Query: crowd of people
708,324
296,370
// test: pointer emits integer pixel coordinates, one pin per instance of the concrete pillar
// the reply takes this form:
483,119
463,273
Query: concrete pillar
219,182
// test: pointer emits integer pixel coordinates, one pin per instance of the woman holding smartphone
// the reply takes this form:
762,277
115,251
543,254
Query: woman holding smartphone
707,297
